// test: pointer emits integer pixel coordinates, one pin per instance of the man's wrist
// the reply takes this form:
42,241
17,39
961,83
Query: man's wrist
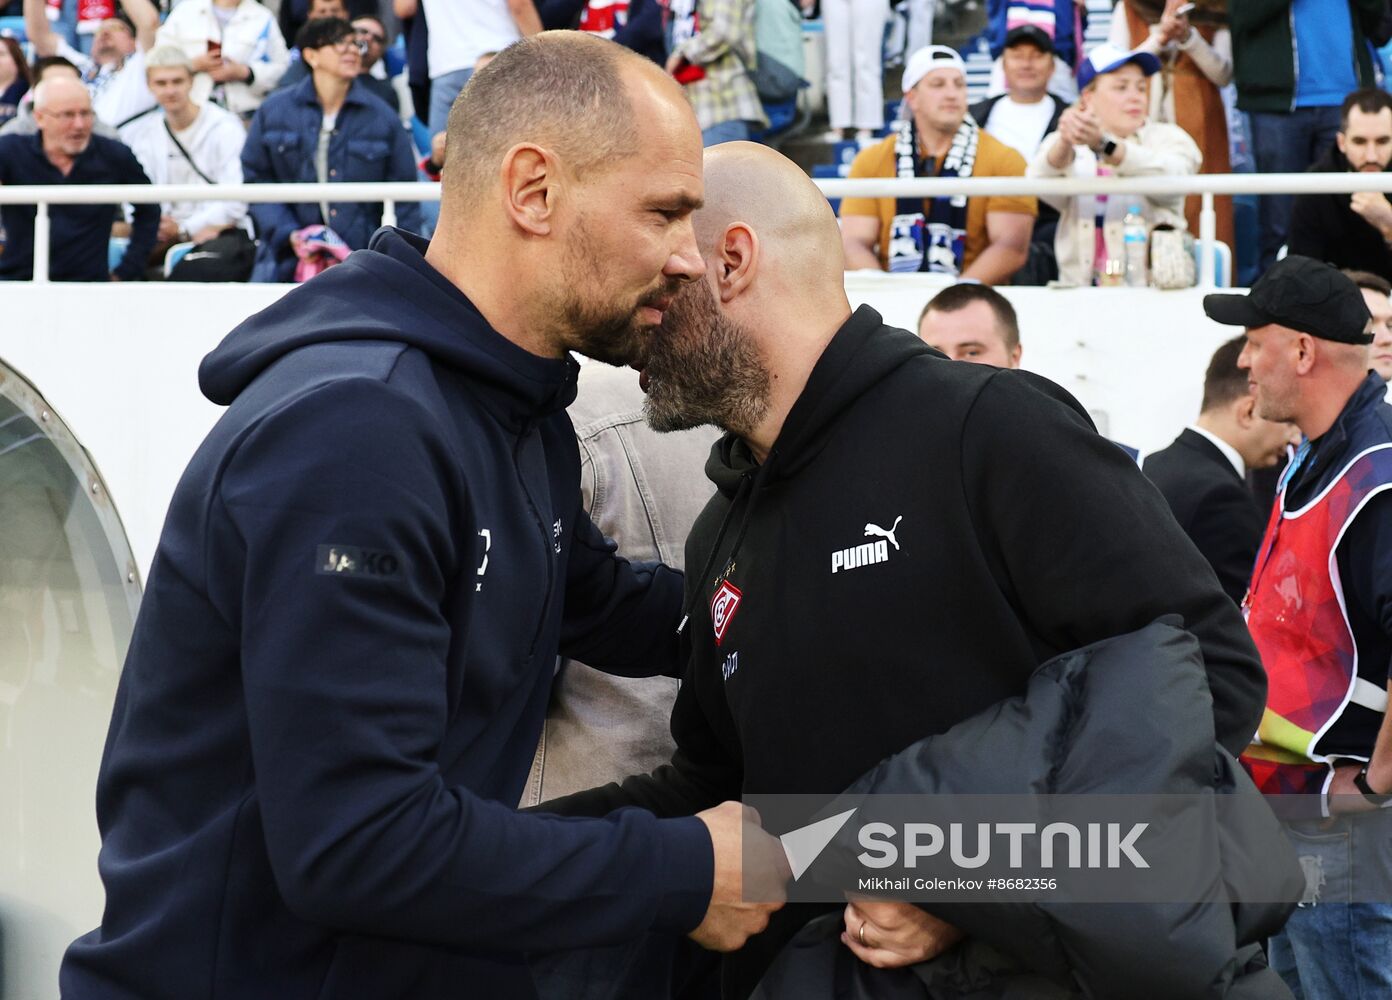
1377,796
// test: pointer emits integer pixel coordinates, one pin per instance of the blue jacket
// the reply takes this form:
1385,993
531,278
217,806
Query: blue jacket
368,144
342,664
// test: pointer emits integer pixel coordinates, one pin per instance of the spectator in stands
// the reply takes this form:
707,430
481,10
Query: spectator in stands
236,48
1021,118
14,78
1351,231
1377,295
294,14
413,25
1064,21
971,322
115,71
187,143
1293,63
854,66
1195,52
986,239
372,42
460,32
1023,115
1203,474
1106,133
327,129
23,122
66,152
709,55
44,67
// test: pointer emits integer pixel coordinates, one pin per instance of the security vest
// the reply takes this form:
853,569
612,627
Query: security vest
1295,610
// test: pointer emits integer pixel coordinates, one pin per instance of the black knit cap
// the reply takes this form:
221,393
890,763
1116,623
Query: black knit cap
1302,294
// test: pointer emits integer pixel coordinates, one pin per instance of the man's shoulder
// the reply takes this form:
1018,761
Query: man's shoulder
995,159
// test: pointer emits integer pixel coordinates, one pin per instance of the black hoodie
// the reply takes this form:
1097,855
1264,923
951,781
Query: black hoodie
923,535
342,663
1324,227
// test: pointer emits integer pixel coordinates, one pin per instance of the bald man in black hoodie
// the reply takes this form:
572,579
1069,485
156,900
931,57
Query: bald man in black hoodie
884,517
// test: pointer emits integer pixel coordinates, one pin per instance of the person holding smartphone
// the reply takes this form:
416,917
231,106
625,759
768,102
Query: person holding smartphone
1194,46
236,49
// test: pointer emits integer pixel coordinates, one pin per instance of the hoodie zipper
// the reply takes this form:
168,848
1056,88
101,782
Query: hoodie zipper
546,537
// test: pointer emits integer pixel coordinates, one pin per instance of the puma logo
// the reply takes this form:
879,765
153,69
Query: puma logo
875,531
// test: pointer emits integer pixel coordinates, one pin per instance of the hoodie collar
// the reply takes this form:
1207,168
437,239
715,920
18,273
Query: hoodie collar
389,292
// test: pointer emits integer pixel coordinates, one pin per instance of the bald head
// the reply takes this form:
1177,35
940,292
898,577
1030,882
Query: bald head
63,90
572,93
796,228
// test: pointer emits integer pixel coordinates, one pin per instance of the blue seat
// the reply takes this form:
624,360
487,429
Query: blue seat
14,28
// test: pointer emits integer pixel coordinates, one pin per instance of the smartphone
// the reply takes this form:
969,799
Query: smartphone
214,47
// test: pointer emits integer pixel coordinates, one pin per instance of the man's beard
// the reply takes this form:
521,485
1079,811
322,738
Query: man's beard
704,369
605,331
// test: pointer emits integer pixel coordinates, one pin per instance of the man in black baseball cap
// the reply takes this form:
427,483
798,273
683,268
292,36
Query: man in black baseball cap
1026,112
1319,608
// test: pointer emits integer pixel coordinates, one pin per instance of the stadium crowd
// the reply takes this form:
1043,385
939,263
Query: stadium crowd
228,91
365,96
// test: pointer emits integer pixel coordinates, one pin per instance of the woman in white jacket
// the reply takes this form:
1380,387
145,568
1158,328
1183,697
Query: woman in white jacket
236,48
1107,132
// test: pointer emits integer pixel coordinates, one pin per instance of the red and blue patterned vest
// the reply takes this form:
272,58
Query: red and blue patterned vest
1295,612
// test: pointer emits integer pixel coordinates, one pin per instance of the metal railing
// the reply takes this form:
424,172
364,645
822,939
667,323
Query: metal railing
1205,185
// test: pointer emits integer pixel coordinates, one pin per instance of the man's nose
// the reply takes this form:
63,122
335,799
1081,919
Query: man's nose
685,261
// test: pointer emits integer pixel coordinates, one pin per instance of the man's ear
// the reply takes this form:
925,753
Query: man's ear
1304,354
531,181
737,258
1245,411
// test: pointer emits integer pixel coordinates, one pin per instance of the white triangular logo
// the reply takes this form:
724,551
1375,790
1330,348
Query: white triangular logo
804,844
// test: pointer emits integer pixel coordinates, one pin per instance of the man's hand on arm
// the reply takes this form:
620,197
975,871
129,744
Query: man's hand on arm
860,234
751,872
1009,233
1374,209
889,934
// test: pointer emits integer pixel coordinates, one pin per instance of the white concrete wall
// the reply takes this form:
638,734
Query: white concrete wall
120,364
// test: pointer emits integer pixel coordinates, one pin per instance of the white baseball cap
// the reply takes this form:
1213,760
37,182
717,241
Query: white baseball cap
929,58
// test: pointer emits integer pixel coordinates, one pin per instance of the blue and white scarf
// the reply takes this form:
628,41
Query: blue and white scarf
936,242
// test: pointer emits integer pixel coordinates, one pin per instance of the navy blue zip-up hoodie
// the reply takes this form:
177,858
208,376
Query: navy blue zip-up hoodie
341,668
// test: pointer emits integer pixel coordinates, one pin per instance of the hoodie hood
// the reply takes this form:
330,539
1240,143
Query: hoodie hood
388,293
862,352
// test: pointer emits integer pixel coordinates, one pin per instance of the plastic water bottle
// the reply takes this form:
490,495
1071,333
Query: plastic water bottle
1135,237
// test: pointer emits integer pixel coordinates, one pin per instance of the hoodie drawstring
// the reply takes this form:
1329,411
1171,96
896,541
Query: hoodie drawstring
747,483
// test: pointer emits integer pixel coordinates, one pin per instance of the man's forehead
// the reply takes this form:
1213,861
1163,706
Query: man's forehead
943,74
1381,119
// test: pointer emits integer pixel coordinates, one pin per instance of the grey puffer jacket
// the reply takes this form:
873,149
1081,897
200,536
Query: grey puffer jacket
1126,716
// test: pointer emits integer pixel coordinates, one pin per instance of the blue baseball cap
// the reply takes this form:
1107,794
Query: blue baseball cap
1106,58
